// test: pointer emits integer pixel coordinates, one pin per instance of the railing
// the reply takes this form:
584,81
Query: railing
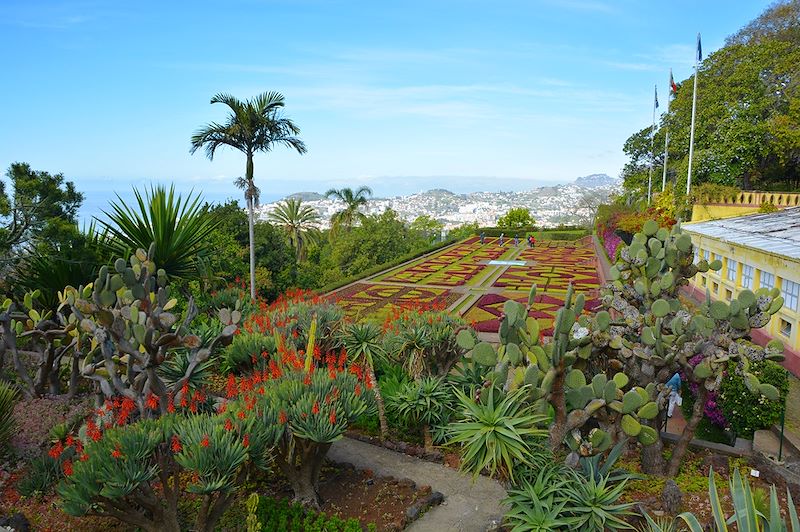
755,198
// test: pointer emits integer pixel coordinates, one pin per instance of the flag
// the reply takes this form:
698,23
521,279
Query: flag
699,49
672,87
656,102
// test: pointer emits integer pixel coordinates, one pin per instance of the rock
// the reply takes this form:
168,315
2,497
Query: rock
671,497
17,522
413,511
572,460
435,499
495,524
406,483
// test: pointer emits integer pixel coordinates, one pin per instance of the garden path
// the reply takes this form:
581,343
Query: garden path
467,506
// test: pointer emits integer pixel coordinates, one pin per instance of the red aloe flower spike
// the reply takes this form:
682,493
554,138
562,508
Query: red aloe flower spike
176,444
315,408
116,453
246,441
204,442
67,467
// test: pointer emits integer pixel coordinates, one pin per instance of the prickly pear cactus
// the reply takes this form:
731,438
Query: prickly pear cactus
653,334
555,376
131,318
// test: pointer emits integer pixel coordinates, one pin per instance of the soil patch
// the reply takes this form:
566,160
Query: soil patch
388,502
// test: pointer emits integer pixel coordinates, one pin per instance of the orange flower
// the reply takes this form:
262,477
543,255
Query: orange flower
230,388
228,424
56,450
315,408
176,444
152,401
246,441
67,467
282,417
204,441
332,417
116,453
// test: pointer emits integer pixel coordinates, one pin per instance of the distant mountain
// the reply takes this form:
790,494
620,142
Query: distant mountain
306,196
596,181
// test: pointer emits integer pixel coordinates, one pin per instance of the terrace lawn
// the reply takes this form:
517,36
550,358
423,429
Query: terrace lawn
459,278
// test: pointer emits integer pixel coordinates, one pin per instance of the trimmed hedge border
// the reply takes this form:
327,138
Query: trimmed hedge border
555,233
386,266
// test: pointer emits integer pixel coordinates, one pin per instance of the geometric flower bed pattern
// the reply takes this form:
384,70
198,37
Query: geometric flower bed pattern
378,300
552,266
484,315
453,267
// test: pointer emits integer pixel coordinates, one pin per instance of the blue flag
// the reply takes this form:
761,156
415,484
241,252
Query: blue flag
699,49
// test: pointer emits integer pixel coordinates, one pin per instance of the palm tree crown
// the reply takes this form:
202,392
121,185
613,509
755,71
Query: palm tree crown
298,221
353,201
254,125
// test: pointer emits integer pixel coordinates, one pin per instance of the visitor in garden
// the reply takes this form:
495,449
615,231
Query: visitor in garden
674,384
516,241
501,238
533,241
483,237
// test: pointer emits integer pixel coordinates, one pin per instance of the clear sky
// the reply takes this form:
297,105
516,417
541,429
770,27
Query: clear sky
402,96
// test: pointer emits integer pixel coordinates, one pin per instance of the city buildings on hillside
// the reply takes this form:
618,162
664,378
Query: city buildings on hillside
758,250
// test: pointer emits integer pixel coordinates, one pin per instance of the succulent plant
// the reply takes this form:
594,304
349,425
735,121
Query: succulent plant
131,319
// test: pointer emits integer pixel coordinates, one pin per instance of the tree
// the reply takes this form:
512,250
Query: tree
429,227
516,217
179,229
299,222
748,104
255,125
38,207
275,260
353,201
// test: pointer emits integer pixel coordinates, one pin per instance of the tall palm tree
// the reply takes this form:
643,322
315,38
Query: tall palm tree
353,201
299,222
254,125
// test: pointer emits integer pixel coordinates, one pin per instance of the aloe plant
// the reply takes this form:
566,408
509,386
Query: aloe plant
7,395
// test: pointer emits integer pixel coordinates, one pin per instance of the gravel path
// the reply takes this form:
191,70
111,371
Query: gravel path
467,506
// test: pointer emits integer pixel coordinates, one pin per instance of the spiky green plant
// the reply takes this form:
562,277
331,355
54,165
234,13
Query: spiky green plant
595,504
496,432
423,402
7,396
364,344
745,515
178,227
238,357
538,504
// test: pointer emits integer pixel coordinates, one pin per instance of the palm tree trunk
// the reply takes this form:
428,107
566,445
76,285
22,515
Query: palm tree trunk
249,177
379,401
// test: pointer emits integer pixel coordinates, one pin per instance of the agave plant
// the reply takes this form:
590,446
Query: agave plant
7,395
537,504
423,402
496,432
364,344
179,228
745,515
595,505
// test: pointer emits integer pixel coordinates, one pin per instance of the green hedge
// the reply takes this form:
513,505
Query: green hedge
566,232
385,266
745,411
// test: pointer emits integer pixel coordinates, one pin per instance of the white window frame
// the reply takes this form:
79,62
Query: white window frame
785,328
733,263
748,276
770,276
791,294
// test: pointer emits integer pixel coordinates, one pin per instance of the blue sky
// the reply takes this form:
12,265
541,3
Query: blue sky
401,96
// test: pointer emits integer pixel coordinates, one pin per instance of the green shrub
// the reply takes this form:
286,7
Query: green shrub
278,514
238,357
43,473
7,395
746,413
423,403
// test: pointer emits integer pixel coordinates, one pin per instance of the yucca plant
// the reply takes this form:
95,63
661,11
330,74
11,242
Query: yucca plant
496,432
424,403
364,344
745,515
7,396
179,228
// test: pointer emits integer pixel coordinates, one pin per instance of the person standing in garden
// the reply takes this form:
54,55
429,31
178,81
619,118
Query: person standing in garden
483,237
516,241
501,239
674,384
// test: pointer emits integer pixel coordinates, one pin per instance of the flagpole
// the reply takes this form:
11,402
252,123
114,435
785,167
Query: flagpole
694,112
666,137
652,147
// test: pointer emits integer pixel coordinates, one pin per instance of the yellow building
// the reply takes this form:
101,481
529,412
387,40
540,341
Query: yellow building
758,250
